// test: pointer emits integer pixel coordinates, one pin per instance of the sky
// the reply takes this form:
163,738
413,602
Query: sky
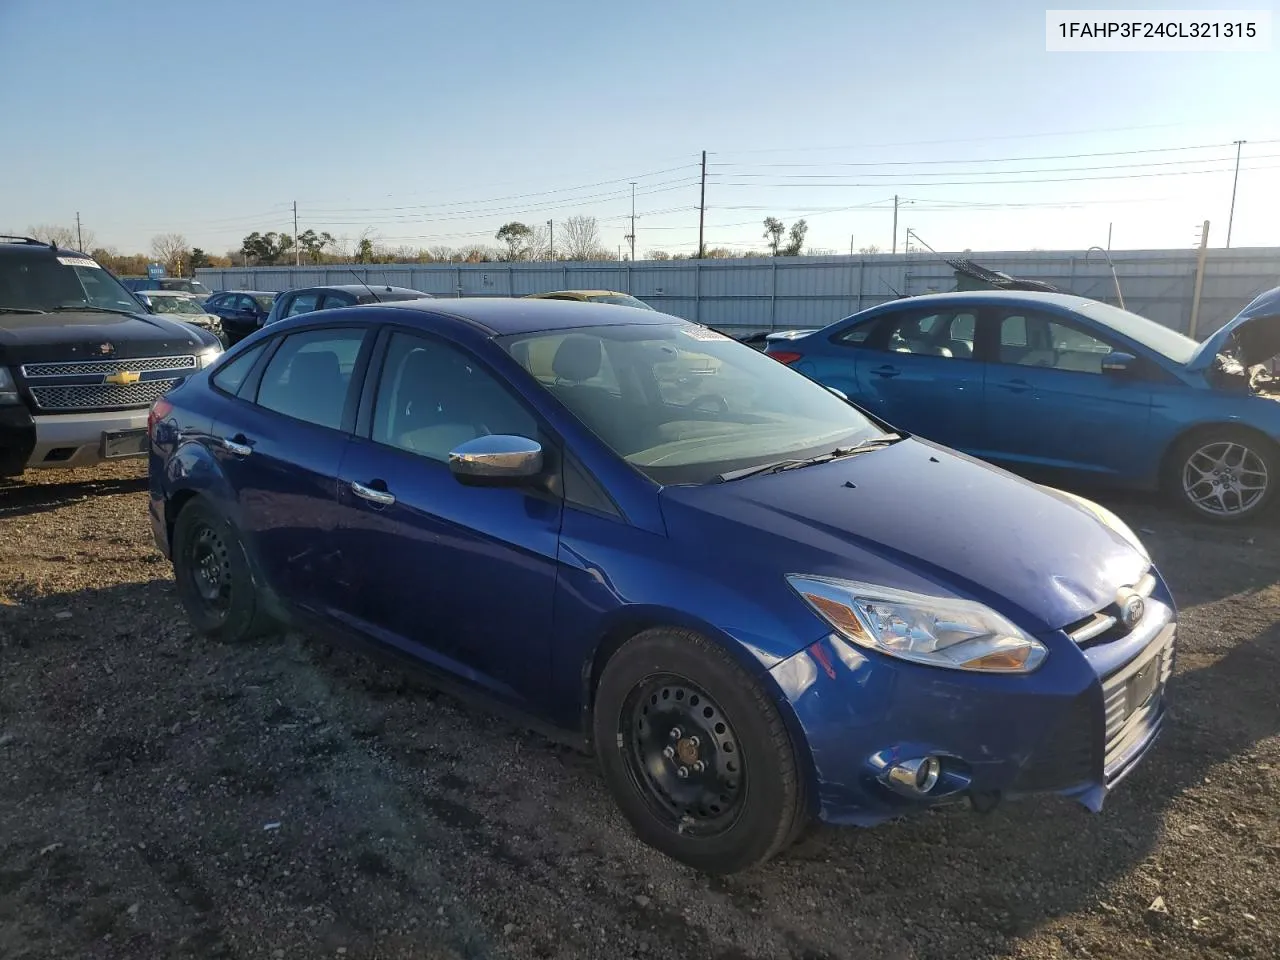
432,124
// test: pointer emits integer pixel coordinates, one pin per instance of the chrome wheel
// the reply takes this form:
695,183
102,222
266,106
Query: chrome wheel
1225,478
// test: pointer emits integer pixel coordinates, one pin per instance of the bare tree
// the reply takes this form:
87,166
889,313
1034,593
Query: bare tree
579,239
773,231
536,246
59,235
657,255
870,249
169,249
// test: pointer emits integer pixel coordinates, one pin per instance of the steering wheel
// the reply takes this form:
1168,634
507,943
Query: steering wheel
718,403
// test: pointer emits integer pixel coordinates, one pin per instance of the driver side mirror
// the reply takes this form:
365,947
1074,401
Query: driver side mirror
1118,364
497,460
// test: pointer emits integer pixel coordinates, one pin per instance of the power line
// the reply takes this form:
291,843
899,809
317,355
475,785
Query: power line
979,183
1058,156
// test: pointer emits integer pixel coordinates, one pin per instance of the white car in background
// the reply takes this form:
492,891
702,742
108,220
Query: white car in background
178,305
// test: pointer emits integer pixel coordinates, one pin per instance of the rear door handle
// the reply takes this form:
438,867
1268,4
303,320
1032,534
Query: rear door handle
237,445
1016,386
383,497
885,371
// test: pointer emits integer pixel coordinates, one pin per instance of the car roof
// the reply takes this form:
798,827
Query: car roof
177,294
358,288
506,315
253,293
39,246
1064,301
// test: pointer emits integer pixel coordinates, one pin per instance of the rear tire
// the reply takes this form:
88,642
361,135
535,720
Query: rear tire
214,580
670,700
1224,474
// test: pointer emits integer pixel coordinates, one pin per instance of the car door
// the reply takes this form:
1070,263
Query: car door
917,370
279,443
460,576
1049,404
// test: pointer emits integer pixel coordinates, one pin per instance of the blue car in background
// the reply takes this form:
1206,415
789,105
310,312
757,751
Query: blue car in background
758,604
1036,381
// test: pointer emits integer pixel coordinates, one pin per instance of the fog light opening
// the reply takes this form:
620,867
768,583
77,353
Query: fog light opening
916,777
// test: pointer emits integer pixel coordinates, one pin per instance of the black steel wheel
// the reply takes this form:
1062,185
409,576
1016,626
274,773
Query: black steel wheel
696,753
682,753
214,581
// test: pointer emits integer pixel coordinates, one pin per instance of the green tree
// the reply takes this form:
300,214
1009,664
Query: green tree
796,243
516,236
266,248
313,244
364,251
773,231
199,258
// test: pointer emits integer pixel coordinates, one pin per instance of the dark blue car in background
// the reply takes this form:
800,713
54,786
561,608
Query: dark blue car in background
756,603
1043,381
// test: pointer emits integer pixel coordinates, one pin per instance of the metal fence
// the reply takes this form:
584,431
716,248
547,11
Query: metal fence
743,296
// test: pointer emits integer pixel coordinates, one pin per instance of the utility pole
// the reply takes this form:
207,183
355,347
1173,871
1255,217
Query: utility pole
702,204
1195,297
895,223
851,236
551,241
632,235
79,236
1109,226
1234,181
297,251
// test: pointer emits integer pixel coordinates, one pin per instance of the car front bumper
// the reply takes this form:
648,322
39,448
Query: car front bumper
1076,727
78,439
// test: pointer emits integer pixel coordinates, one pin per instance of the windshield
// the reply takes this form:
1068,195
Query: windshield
1176,346
183,286
40,280
623,300
683,404
175,305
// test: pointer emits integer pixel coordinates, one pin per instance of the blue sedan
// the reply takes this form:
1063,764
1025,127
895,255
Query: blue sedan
1036,381
757,604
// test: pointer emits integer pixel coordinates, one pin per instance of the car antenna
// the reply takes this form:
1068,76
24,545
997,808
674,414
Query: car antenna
376,298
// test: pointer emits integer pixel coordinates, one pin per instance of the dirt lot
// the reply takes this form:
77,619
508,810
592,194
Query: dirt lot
165,796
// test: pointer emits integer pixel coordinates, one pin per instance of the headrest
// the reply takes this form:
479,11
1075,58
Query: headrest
577,358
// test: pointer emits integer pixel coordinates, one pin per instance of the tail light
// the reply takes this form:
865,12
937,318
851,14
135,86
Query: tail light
784,356
159,410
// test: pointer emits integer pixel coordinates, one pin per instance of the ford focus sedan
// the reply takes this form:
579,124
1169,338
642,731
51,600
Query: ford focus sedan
757,604
1051,382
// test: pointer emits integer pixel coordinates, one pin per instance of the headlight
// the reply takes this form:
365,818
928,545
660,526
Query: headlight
938,631
1110,520
8,389
208,355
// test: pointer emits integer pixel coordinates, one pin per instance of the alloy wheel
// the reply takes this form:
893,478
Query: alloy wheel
1225,478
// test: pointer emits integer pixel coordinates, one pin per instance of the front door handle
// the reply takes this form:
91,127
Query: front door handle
885,371
1016,386
236,445
382,497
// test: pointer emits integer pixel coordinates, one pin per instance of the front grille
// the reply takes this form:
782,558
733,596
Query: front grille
81,368
1128,722
1104,625
101,396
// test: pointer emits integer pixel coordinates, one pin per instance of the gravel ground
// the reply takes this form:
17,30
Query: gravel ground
162,796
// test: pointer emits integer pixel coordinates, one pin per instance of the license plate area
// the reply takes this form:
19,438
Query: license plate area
1144,685
124,443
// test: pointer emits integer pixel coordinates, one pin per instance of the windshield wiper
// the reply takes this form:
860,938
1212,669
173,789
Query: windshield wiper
91,308
19,310
839,453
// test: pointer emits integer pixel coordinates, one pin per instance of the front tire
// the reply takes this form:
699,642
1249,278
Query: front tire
214,581
696,753
1227,474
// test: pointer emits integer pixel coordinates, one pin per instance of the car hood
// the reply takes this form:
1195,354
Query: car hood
35,338
917,516
1256,330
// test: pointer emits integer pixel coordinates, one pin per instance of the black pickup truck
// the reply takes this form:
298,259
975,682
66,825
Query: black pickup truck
81,360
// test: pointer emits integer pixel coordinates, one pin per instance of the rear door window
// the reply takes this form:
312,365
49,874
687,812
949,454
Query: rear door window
303,303
309,377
